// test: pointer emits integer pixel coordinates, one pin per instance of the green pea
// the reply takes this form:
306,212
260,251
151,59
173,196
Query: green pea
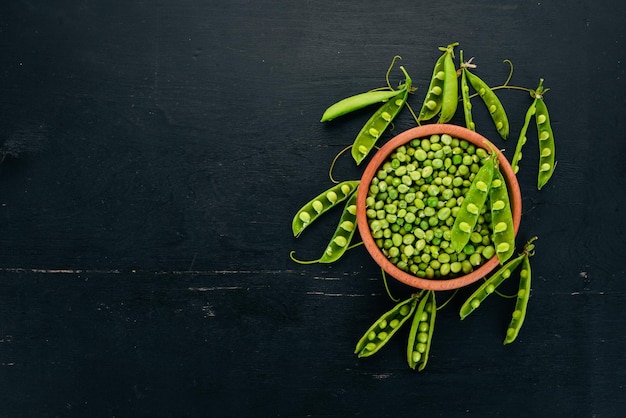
388,323
321,204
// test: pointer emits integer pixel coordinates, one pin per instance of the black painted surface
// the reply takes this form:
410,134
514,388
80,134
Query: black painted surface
163,147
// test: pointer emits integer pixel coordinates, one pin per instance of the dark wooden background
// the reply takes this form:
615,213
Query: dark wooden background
157,150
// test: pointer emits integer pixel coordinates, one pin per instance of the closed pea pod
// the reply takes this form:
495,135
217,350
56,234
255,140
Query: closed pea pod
496,110
343,233
385,327
422,328
475,199
321,204
521,303
546,144
450,87
358,101
501,217
378,122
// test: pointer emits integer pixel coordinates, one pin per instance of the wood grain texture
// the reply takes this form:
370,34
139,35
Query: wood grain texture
160,149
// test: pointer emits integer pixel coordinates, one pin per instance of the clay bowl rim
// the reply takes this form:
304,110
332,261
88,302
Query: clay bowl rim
371,169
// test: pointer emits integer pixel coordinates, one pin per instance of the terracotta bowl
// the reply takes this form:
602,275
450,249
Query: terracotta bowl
378,159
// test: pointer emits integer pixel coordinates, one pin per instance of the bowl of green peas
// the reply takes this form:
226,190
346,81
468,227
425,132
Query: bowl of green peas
438,207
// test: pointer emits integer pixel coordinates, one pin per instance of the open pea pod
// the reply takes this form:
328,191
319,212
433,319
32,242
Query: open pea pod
321,204
385,327
491,100
489,286
521,303
437,94
343,233
539,111
379,121
546,144
471,207
450,98
421,334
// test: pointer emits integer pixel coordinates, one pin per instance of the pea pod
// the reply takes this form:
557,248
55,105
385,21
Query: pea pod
420,336
435,96
489,286
539,110
343,233
385,327
450,88
321,204
523,294
517,155
472,205
359,101
376,125
501,217
546,144
467,104
496,110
